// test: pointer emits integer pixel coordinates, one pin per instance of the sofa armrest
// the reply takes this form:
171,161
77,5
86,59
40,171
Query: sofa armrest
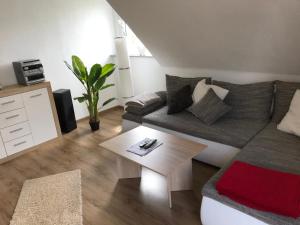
148,108
163,96
132,117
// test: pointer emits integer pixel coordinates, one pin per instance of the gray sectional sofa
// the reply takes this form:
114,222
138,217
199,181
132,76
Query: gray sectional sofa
251,128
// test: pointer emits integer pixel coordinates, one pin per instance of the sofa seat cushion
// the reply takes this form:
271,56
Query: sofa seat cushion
274,149
271,149
233,132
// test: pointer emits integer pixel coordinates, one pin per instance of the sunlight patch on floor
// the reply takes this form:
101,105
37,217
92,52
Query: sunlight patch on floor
153,183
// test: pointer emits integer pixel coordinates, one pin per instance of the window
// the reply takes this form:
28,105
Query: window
134,45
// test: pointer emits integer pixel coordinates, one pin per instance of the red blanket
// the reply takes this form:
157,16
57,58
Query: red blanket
262,189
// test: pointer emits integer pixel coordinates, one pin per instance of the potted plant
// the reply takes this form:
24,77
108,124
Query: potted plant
93,82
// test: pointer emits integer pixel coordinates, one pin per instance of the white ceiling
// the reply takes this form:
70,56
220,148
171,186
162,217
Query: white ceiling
246,35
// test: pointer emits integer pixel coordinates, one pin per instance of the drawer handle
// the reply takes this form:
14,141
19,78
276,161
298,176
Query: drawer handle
20,143
11,117
16,130
34,96
9,102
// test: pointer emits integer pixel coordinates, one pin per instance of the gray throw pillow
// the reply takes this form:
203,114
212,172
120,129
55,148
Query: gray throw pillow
174,84
249,101
210,108
180,100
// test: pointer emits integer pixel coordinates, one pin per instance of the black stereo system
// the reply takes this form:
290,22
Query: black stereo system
65,110
29,71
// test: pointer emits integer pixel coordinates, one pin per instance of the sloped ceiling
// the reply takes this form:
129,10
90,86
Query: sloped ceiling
246,35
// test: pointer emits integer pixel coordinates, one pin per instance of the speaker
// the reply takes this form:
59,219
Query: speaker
65,110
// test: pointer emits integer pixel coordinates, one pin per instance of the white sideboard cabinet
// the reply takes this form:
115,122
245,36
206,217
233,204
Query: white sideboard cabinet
28,118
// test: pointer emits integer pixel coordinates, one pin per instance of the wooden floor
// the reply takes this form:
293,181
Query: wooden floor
106,201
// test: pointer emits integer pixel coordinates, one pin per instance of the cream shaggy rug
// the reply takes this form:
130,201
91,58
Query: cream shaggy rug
51,200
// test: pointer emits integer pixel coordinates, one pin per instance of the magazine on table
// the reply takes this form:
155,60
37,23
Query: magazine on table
141,149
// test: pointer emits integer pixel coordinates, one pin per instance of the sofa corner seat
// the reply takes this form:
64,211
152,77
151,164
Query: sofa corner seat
266,150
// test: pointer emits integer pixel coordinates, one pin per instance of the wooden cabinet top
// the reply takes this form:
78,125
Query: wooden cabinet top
17,89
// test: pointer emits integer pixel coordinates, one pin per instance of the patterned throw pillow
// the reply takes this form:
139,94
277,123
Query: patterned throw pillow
210,108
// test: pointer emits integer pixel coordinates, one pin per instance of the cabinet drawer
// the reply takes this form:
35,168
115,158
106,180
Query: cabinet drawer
10,103
15,131
18,145
12,117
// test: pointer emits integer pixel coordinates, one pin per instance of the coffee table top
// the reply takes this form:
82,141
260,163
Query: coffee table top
164,159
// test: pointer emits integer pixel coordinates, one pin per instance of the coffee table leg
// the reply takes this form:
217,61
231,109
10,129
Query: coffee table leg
181,178
169,186
127,168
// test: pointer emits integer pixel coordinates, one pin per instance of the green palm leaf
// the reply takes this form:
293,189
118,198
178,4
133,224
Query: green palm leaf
100,82
70,68
95,73
79,67
108,69
106,86
108,101
81,99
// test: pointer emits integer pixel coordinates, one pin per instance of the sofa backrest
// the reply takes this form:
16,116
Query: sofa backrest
283,97
174,83
249,101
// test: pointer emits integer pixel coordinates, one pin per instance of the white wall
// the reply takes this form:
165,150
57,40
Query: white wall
149,76
146,74
53,31
237,77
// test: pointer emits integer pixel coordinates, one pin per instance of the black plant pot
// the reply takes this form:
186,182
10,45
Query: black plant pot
95,125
